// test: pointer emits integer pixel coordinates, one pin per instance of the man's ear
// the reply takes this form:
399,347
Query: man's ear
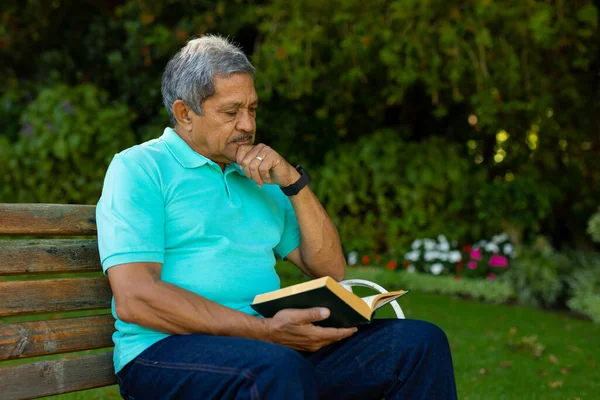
182,114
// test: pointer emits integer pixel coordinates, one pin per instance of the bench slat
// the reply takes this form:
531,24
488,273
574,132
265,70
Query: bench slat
46,378
54,295
48,256
47,219
40,338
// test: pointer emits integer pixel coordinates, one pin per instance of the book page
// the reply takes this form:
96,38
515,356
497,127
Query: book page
379,300
370,300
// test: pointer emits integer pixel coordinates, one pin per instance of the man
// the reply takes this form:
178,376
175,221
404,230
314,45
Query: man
188,227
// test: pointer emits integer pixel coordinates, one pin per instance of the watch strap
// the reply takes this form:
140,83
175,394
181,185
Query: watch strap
297,186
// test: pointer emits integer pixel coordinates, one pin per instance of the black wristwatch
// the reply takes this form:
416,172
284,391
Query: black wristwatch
296,187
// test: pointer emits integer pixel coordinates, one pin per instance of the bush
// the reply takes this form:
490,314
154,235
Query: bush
383,191
594,227
535,275
584,285
68,137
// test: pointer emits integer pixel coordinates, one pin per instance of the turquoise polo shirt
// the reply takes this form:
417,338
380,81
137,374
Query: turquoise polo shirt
215,232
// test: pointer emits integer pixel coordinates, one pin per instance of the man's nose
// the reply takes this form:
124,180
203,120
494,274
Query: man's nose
245,122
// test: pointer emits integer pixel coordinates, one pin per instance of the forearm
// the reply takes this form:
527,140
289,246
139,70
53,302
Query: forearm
320,246
170,309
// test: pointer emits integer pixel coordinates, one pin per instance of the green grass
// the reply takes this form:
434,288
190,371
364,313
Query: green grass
492,360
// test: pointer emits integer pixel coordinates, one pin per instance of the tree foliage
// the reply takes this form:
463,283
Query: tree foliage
510,86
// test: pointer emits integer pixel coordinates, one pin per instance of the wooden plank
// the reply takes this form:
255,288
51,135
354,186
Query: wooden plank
40,338
48,256
47,219
54,295
46,378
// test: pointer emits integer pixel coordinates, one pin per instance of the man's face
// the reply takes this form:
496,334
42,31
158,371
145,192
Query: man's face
228,120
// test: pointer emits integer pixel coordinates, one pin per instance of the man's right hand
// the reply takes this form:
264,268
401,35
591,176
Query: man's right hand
294,328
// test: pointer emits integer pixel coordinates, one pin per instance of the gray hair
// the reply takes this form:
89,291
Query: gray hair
189,75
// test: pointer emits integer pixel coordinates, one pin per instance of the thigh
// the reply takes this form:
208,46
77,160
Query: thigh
214,367
373,362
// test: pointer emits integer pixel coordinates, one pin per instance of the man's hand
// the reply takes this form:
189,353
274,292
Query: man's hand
294,328
263,165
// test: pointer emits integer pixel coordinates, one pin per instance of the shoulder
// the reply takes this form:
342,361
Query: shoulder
151,153
143,162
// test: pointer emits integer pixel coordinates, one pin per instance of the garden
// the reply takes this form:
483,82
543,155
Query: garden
455,146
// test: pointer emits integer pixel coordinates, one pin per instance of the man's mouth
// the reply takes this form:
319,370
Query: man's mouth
246,139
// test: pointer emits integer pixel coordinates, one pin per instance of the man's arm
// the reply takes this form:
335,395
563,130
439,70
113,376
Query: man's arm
320,251
142,298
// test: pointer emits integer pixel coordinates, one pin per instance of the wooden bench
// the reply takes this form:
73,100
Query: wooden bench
41,276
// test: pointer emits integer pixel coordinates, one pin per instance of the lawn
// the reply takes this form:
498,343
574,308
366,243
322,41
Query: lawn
499,351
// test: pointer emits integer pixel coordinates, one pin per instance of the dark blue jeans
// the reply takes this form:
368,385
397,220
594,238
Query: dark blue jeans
391,359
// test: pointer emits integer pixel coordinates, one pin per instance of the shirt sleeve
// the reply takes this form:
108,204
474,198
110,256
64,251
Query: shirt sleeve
290,238
130,215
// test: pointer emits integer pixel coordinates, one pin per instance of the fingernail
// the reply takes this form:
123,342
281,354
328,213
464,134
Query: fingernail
324,312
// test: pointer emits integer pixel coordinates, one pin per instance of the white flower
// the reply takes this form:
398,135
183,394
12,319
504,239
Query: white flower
508,249
431,255
352,258
436,268
442,239
429,244
412,256
411,268
492,247
480,245
416,244
455,256
444,246
500,238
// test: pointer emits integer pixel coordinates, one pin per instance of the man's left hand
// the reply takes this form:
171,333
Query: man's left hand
263,165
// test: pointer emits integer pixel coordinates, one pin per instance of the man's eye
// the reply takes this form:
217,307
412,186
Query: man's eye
253,110
231,113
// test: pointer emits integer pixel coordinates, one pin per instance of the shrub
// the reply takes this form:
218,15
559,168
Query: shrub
535,275
68,137
383,191
585,286
594,226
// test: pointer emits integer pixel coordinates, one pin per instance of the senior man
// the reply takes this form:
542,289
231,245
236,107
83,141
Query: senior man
189,225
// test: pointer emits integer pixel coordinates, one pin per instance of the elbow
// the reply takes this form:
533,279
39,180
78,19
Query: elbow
339,271
339,275
131,307
126,310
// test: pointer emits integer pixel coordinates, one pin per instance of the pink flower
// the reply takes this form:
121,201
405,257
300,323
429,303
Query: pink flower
472,264
476,254
498,261
491,276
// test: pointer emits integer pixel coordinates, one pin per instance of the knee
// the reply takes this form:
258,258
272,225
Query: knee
431,339
433,333
421,335
282,362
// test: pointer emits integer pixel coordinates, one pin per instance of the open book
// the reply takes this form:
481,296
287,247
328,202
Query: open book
347,309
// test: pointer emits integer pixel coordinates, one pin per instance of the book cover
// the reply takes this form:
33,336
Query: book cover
347,309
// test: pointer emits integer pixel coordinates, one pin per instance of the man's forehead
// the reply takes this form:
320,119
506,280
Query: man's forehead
235,90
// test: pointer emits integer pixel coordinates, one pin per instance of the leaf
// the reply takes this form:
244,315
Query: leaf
555,384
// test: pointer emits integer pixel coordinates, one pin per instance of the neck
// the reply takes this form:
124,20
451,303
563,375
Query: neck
188,140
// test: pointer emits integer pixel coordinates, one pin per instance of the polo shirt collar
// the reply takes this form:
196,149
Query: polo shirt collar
185,155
